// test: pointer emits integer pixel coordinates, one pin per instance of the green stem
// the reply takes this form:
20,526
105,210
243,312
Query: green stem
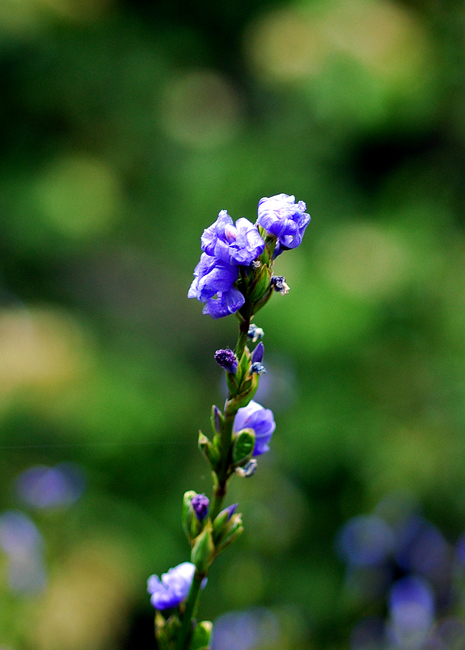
242,341
183,639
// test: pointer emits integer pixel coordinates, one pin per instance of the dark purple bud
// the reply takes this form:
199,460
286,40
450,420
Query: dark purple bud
257,354
279,284
258,368
227,360
200,504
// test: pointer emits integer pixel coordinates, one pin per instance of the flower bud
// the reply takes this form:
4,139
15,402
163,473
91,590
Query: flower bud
230,533
227,360
257,354
259,284
209,450
203,552
190,522
221,520
216,419
200,504
201,636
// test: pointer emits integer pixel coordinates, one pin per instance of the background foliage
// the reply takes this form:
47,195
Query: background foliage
125,127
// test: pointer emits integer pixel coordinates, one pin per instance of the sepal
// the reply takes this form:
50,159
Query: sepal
201,636
244,443
203,552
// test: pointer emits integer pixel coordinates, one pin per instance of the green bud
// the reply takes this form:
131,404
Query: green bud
231,532
209,450
191,525
244,443
201,636
203,552
221,522
260,284
249,388
166,631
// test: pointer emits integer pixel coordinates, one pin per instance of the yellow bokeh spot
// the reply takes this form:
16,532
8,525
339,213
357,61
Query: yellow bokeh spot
200,109
78,196
39,349
365,261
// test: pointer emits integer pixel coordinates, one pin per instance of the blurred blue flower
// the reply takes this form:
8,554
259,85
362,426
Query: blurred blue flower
365,540
411,609
256,417
284,218
50,487
18,534
245,630
22,542
422,548
239,244
173,587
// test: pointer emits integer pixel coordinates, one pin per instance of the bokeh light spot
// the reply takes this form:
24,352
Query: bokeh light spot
365,261
285,45
200,109
78,196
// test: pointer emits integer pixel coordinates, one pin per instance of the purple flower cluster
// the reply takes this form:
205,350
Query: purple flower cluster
254,416
227,246
284,218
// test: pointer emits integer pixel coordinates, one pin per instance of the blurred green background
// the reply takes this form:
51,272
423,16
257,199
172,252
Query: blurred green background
125,127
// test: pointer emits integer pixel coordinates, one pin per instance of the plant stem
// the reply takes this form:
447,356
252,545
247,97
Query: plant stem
191,603
219,491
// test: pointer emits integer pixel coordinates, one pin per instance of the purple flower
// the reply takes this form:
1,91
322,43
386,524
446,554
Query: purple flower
173,587
211,277
254,416
213,284
227,360
200,504
284,218
224,304
239,244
